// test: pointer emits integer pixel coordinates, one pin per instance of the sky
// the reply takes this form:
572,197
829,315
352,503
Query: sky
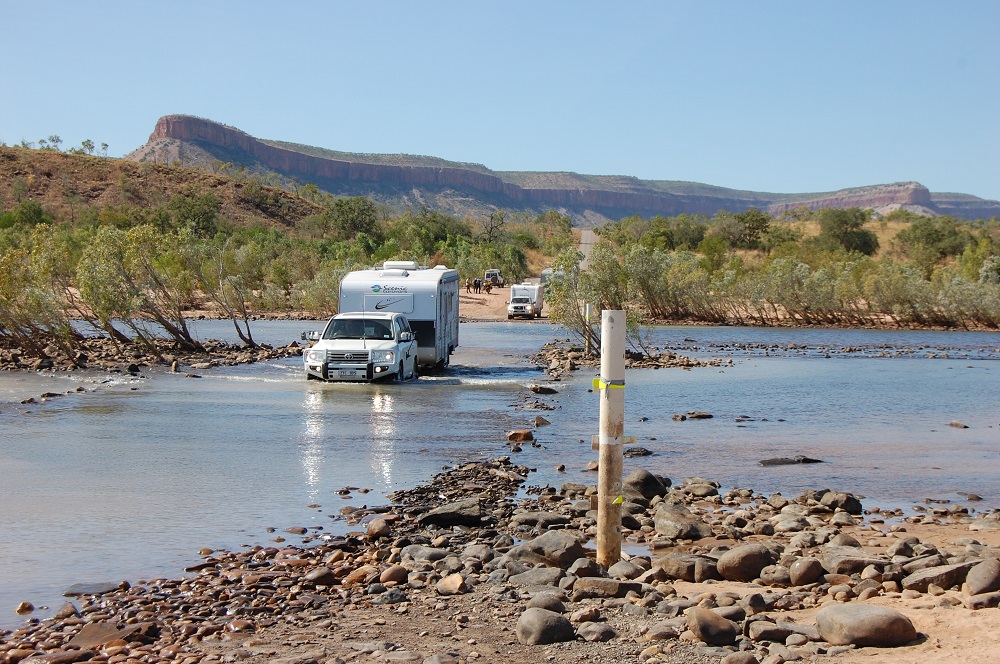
774,96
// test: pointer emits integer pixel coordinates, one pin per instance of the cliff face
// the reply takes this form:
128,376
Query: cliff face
467,189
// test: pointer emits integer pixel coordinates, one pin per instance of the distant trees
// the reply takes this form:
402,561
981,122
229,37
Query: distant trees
845,228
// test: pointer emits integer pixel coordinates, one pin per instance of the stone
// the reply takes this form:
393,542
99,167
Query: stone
943,576
864,625
643,483
321,576
548,601
775,575
596,632
983,578
688,567
543,389
848,559
520,436
540,520
80,589
394,574
624,569
421,553
710,627
539,576
539,627
677,522
461,513
453,584
599,587
554,548
804,571
744,563
378,528
93,635
740,658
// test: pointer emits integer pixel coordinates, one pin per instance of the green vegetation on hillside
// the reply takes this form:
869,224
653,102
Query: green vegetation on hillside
142,261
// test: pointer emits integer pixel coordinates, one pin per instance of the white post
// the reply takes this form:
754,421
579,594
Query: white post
611,439
586,320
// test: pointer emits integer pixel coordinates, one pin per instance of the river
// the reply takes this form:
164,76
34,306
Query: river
129,478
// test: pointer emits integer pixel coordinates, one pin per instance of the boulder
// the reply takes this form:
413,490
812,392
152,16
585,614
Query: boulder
943,576
539,627
744,563
643,483
984,577
711,628
688,567
460,513
677,522
593,586
596,632
804,571
864,625
554,548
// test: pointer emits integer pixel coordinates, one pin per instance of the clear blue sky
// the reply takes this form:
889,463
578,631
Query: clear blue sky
784,97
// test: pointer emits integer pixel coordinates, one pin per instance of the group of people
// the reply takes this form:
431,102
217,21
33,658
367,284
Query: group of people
477,285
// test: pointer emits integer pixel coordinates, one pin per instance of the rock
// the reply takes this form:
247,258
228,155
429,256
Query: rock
378,528
322,576
520,436
677,522
539,627
775,575
624,569
585,567
983,601
804,571
420,553
543,389
596,632
599,587
24,608
541,421
845,501
958,425
740,658
461,513
547,601
787,461
643,483
698,415
80,589
688,567
92,635
984,577
848,559
744,563
394,574
943,576
540,520
554,548
711,628
539,576
453,584
864,625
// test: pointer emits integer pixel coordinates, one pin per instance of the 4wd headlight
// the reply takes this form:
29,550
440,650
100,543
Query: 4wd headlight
315,355
386,356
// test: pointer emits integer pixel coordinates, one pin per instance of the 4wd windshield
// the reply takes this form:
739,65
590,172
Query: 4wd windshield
520,300
357,328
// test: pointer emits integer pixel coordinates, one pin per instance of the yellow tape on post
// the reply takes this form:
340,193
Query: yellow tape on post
600,384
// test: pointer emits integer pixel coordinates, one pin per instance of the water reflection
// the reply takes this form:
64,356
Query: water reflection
384,436
312,434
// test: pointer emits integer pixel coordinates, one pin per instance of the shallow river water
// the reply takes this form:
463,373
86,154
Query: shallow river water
129,479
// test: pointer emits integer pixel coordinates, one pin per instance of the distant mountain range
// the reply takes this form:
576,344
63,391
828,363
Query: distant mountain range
462,189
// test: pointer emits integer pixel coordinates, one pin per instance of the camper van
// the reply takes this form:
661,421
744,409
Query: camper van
428,297
525,300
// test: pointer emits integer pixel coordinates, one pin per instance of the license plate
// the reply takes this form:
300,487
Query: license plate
348,373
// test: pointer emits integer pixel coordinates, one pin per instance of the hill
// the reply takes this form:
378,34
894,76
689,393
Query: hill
64,183
466,189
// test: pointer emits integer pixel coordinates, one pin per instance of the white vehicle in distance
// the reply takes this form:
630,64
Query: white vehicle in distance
362,347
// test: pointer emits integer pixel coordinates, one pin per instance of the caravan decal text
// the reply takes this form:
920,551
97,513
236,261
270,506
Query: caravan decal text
388,289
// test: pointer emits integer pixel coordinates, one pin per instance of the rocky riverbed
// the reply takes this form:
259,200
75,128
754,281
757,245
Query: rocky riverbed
478,565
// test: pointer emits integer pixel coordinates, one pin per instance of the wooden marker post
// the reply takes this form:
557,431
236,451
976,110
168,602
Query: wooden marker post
611,387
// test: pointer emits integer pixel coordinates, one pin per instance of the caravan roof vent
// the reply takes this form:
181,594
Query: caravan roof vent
400,265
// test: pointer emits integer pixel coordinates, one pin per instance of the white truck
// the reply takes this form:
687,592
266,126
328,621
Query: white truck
525,300
428,297
362,347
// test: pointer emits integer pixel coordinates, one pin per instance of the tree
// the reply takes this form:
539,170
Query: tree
844,228
755,225
87,146
493,226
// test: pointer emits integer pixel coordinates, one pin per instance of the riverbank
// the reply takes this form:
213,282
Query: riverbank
472,568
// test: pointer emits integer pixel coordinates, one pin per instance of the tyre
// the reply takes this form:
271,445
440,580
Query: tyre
399,373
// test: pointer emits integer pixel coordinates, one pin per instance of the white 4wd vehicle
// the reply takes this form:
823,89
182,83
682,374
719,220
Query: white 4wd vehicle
362,347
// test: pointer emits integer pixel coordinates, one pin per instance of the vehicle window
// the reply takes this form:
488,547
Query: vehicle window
375,329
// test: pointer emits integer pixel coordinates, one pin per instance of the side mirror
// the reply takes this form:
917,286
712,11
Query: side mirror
406,336
312,335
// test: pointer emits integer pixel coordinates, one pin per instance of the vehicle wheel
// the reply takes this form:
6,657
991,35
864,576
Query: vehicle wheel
509,317
399,373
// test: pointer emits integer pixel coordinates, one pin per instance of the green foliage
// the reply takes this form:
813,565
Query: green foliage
195,212
844,228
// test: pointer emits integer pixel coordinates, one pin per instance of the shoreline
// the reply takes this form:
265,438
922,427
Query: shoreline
452,567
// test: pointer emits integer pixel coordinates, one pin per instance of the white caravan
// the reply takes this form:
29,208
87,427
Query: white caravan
428,297
525,300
